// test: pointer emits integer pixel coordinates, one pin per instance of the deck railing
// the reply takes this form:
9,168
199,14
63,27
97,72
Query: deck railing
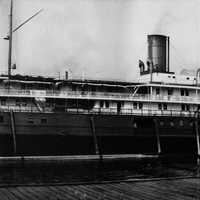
105,111
99,96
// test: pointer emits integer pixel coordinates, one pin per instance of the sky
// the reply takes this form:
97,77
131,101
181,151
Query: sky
98,39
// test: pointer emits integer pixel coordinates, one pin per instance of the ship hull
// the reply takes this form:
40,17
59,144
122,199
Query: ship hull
52,134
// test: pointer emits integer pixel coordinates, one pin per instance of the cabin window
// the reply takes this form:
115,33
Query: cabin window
160,106
181,122
161,123
107,104
185,107
170,91
17,102
101,104
165,106
157,91
30,121
1,119
23,86
134,105
43,121
3,102
140,105
182,92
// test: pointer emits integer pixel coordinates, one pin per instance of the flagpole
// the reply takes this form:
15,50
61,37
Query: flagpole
10,42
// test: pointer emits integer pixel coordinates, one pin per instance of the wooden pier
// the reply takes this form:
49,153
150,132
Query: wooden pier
162,189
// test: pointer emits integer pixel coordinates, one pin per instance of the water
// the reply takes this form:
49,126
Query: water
94,171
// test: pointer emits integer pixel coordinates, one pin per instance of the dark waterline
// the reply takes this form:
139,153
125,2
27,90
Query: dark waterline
95,171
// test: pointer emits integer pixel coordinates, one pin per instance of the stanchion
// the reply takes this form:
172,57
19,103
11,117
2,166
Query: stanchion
96,145
157,136
197,140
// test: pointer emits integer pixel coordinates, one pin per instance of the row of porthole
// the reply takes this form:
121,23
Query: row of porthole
172,124
42,121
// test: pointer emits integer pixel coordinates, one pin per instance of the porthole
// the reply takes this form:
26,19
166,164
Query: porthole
171,124
43,121
191,124
181,123
161,123
135,125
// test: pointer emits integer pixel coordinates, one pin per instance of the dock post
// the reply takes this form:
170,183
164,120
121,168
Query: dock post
96,145
197,139
157,136
13,131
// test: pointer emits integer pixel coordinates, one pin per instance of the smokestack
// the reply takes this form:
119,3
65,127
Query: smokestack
158,52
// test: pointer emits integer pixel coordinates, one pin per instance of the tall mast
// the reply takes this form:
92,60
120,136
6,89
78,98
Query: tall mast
10,41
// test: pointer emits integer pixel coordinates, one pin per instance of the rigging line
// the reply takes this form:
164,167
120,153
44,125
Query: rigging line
27,20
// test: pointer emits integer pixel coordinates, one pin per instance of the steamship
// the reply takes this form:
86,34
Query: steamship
157,114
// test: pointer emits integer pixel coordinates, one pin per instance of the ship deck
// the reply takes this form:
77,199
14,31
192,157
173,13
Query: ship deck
162,189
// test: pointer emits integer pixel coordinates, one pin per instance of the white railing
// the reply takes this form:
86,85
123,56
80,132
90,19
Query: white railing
98,95
106,111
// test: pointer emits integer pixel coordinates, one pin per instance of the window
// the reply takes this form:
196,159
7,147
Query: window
187,107
17,102
157,91
183,107
165,106
172,124
107,104
181,122
101,104
3,102
140,105
161,123
188,78
160,106
43,121
135,125
1,119
182,92
134,105
30,121
186,93
170,91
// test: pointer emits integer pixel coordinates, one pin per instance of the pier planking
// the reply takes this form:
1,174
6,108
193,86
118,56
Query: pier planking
186,189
